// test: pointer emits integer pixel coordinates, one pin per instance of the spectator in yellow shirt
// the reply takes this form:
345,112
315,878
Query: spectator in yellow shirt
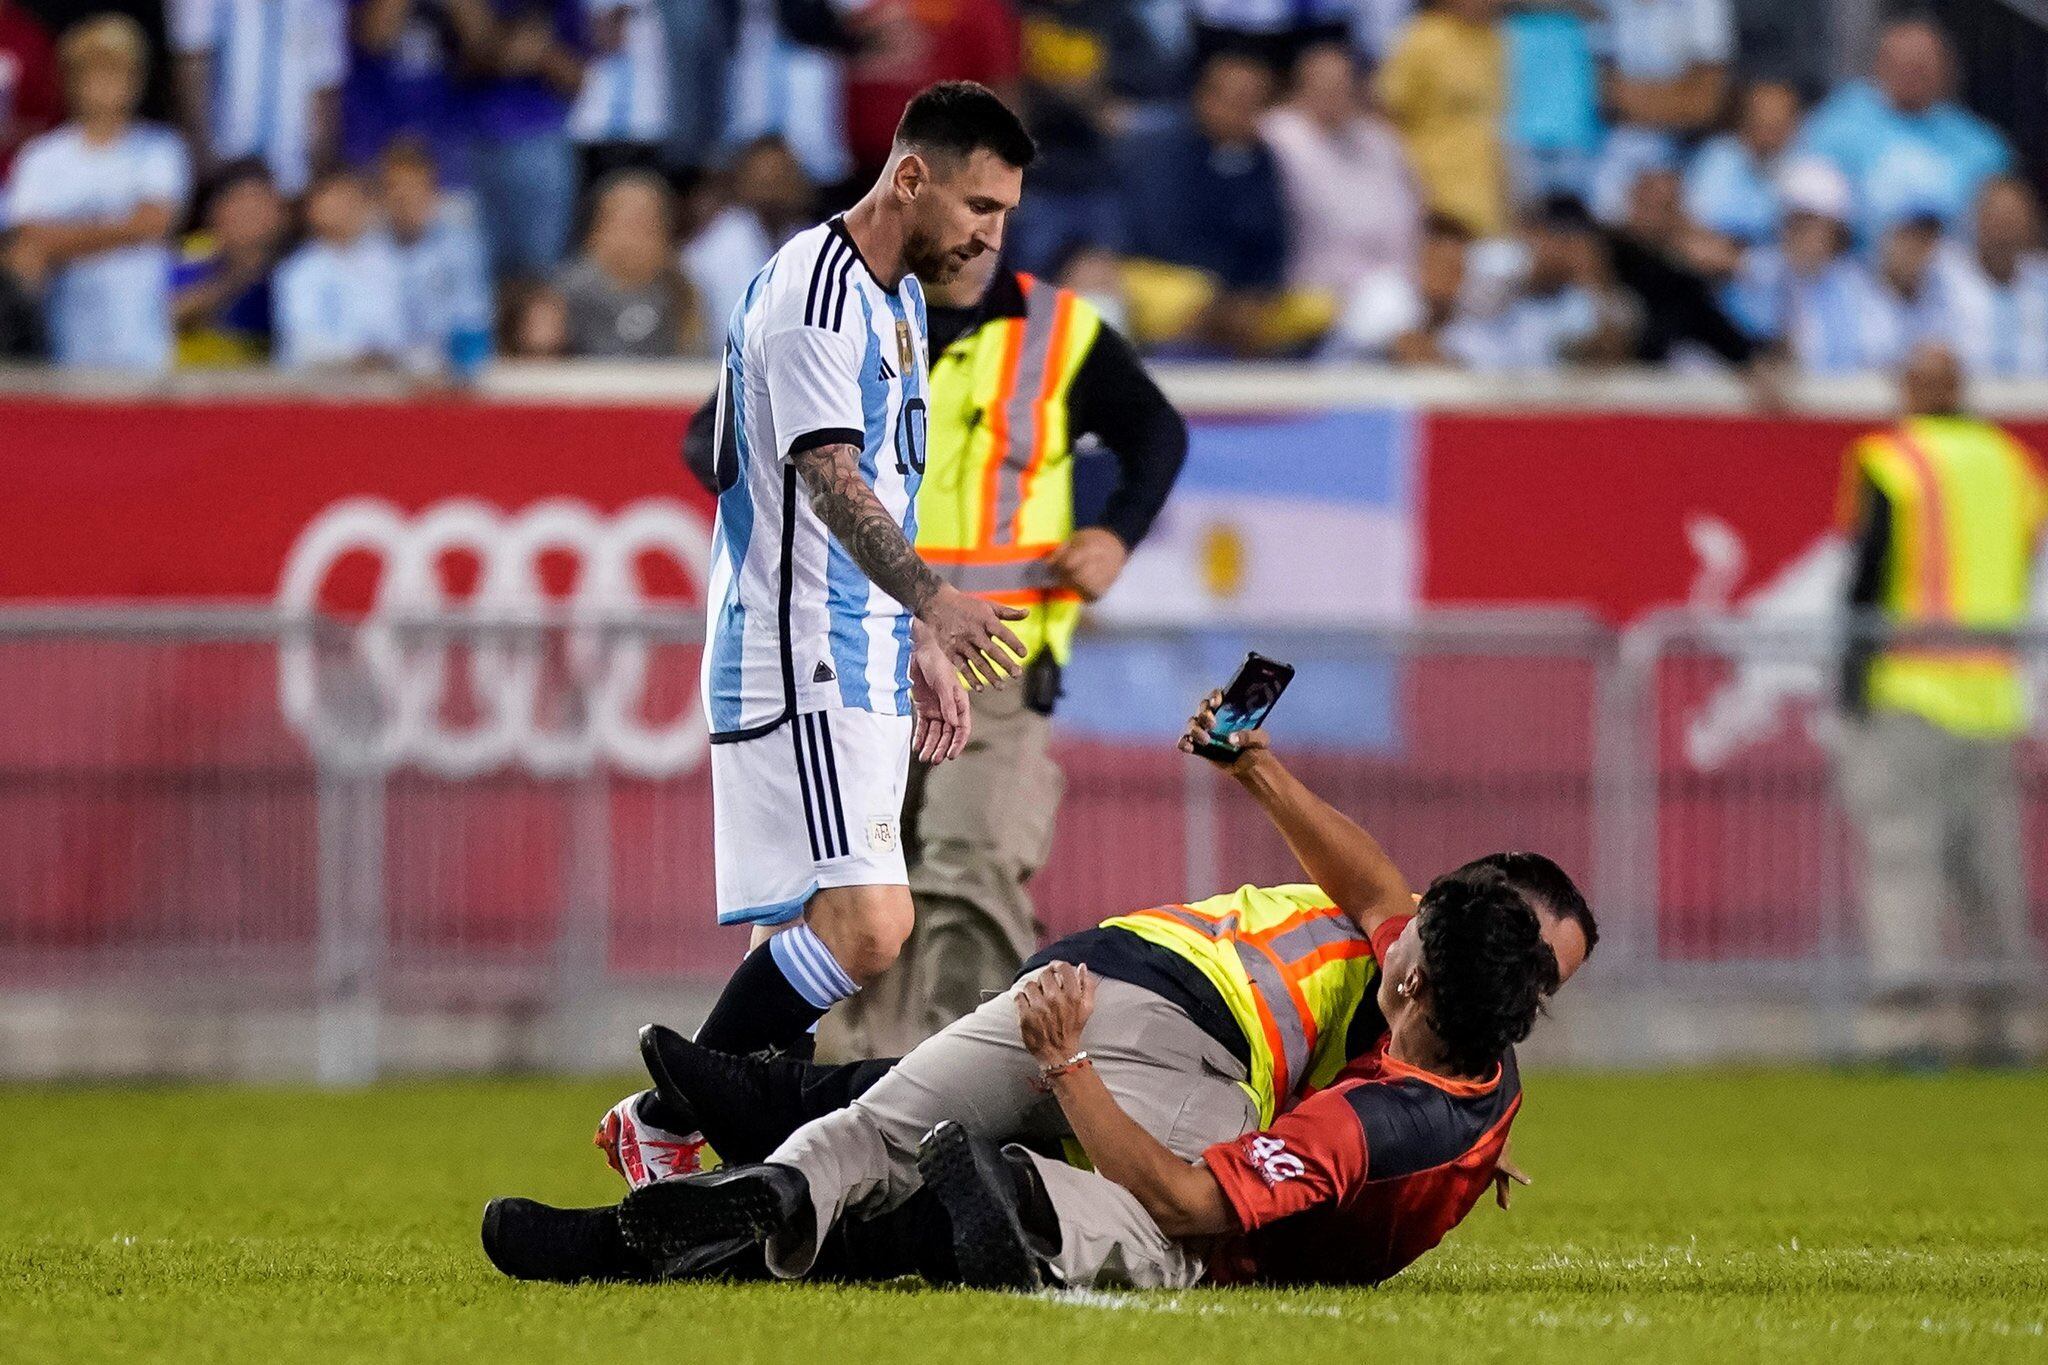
1445,88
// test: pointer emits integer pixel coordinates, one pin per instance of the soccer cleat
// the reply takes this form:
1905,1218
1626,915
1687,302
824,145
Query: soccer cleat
976,1186
683,1215
529,1240
641,1151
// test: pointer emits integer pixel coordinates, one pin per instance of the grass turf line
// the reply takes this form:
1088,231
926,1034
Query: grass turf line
1716,1216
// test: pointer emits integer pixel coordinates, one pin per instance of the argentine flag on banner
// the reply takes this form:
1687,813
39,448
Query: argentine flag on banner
1284,535
1297,520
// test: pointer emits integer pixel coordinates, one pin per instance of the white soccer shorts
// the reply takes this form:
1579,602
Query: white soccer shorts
815,802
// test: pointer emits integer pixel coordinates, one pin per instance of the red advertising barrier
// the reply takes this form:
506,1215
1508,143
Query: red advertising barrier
1593,508
204,500
220,500
192,500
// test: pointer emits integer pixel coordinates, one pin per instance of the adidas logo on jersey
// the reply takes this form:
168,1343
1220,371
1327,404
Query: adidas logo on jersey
887,373
823,673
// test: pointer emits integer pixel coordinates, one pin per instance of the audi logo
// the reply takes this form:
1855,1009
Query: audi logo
387,703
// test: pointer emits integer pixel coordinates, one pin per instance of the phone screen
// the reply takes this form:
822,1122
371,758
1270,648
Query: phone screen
1230,718
1248,701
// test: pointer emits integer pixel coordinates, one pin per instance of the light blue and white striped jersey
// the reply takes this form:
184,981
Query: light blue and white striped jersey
111,309
340,304
1999,329
818,352
270,59
1841,319
775,84
625,93
445,283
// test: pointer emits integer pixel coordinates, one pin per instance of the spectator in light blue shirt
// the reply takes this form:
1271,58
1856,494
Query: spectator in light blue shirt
1667,75
1900,138
1997,286
261,78
339,299
1807,293
621,116
777,87
1731,187
91,206
1554,124
441,262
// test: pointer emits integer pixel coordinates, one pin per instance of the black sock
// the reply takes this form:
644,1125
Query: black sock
759,1009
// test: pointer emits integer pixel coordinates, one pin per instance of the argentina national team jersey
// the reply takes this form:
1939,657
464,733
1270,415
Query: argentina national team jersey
817,353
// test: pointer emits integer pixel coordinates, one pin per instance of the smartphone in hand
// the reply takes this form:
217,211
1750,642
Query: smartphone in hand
1247,701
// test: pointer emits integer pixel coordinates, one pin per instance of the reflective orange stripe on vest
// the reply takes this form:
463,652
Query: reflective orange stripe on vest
1029,381
1276,960
1932,583
997,500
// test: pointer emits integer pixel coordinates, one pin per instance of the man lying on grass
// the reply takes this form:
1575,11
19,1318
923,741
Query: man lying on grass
1220,1016
1352,1185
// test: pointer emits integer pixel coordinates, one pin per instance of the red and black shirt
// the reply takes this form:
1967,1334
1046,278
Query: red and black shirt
1358,1180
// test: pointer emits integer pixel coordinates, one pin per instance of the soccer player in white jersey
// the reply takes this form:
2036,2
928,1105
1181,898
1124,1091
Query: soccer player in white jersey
832,646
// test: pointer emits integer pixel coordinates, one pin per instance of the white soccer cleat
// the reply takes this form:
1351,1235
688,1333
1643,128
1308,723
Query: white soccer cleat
642,1153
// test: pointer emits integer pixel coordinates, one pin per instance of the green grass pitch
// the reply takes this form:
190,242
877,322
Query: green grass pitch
1717,1216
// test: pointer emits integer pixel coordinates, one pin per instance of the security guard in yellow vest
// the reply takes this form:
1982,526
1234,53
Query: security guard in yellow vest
1946,514
1024,375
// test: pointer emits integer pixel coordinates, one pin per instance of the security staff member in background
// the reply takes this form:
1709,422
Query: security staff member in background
1022,374
1946,513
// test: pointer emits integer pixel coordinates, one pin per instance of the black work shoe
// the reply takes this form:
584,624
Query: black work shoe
529,1240
685,1214
744,1106
975,1185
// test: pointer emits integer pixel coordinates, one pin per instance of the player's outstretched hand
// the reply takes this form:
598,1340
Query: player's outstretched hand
1053,1009
1246,742
972,633
939,701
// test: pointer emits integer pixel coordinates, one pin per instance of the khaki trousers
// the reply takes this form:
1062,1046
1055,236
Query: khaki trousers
1107,1240
1179,1084
976,830
1939,816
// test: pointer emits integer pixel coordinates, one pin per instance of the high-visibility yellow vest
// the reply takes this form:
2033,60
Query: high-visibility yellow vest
1292,970
998,492
1967,507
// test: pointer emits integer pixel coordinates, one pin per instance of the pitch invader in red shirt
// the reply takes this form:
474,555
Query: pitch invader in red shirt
1350,1186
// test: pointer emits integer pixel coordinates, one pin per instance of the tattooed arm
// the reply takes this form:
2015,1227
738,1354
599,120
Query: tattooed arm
845,503
966,628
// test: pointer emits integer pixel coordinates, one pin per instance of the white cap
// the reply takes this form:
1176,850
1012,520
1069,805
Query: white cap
1814,185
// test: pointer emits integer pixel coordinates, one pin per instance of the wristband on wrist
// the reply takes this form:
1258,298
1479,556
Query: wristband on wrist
1068,1067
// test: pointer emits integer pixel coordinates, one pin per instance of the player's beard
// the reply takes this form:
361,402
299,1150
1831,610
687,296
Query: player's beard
929,261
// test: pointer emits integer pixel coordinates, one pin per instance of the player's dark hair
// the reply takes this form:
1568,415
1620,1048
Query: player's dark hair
960,118
1487,964
1546,886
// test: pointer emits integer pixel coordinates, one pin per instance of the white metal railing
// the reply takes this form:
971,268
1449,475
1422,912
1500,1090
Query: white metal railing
182,813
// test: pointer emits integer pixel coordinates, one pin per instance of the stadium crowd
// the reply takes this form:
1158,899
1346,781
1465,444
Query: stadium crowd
419,184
